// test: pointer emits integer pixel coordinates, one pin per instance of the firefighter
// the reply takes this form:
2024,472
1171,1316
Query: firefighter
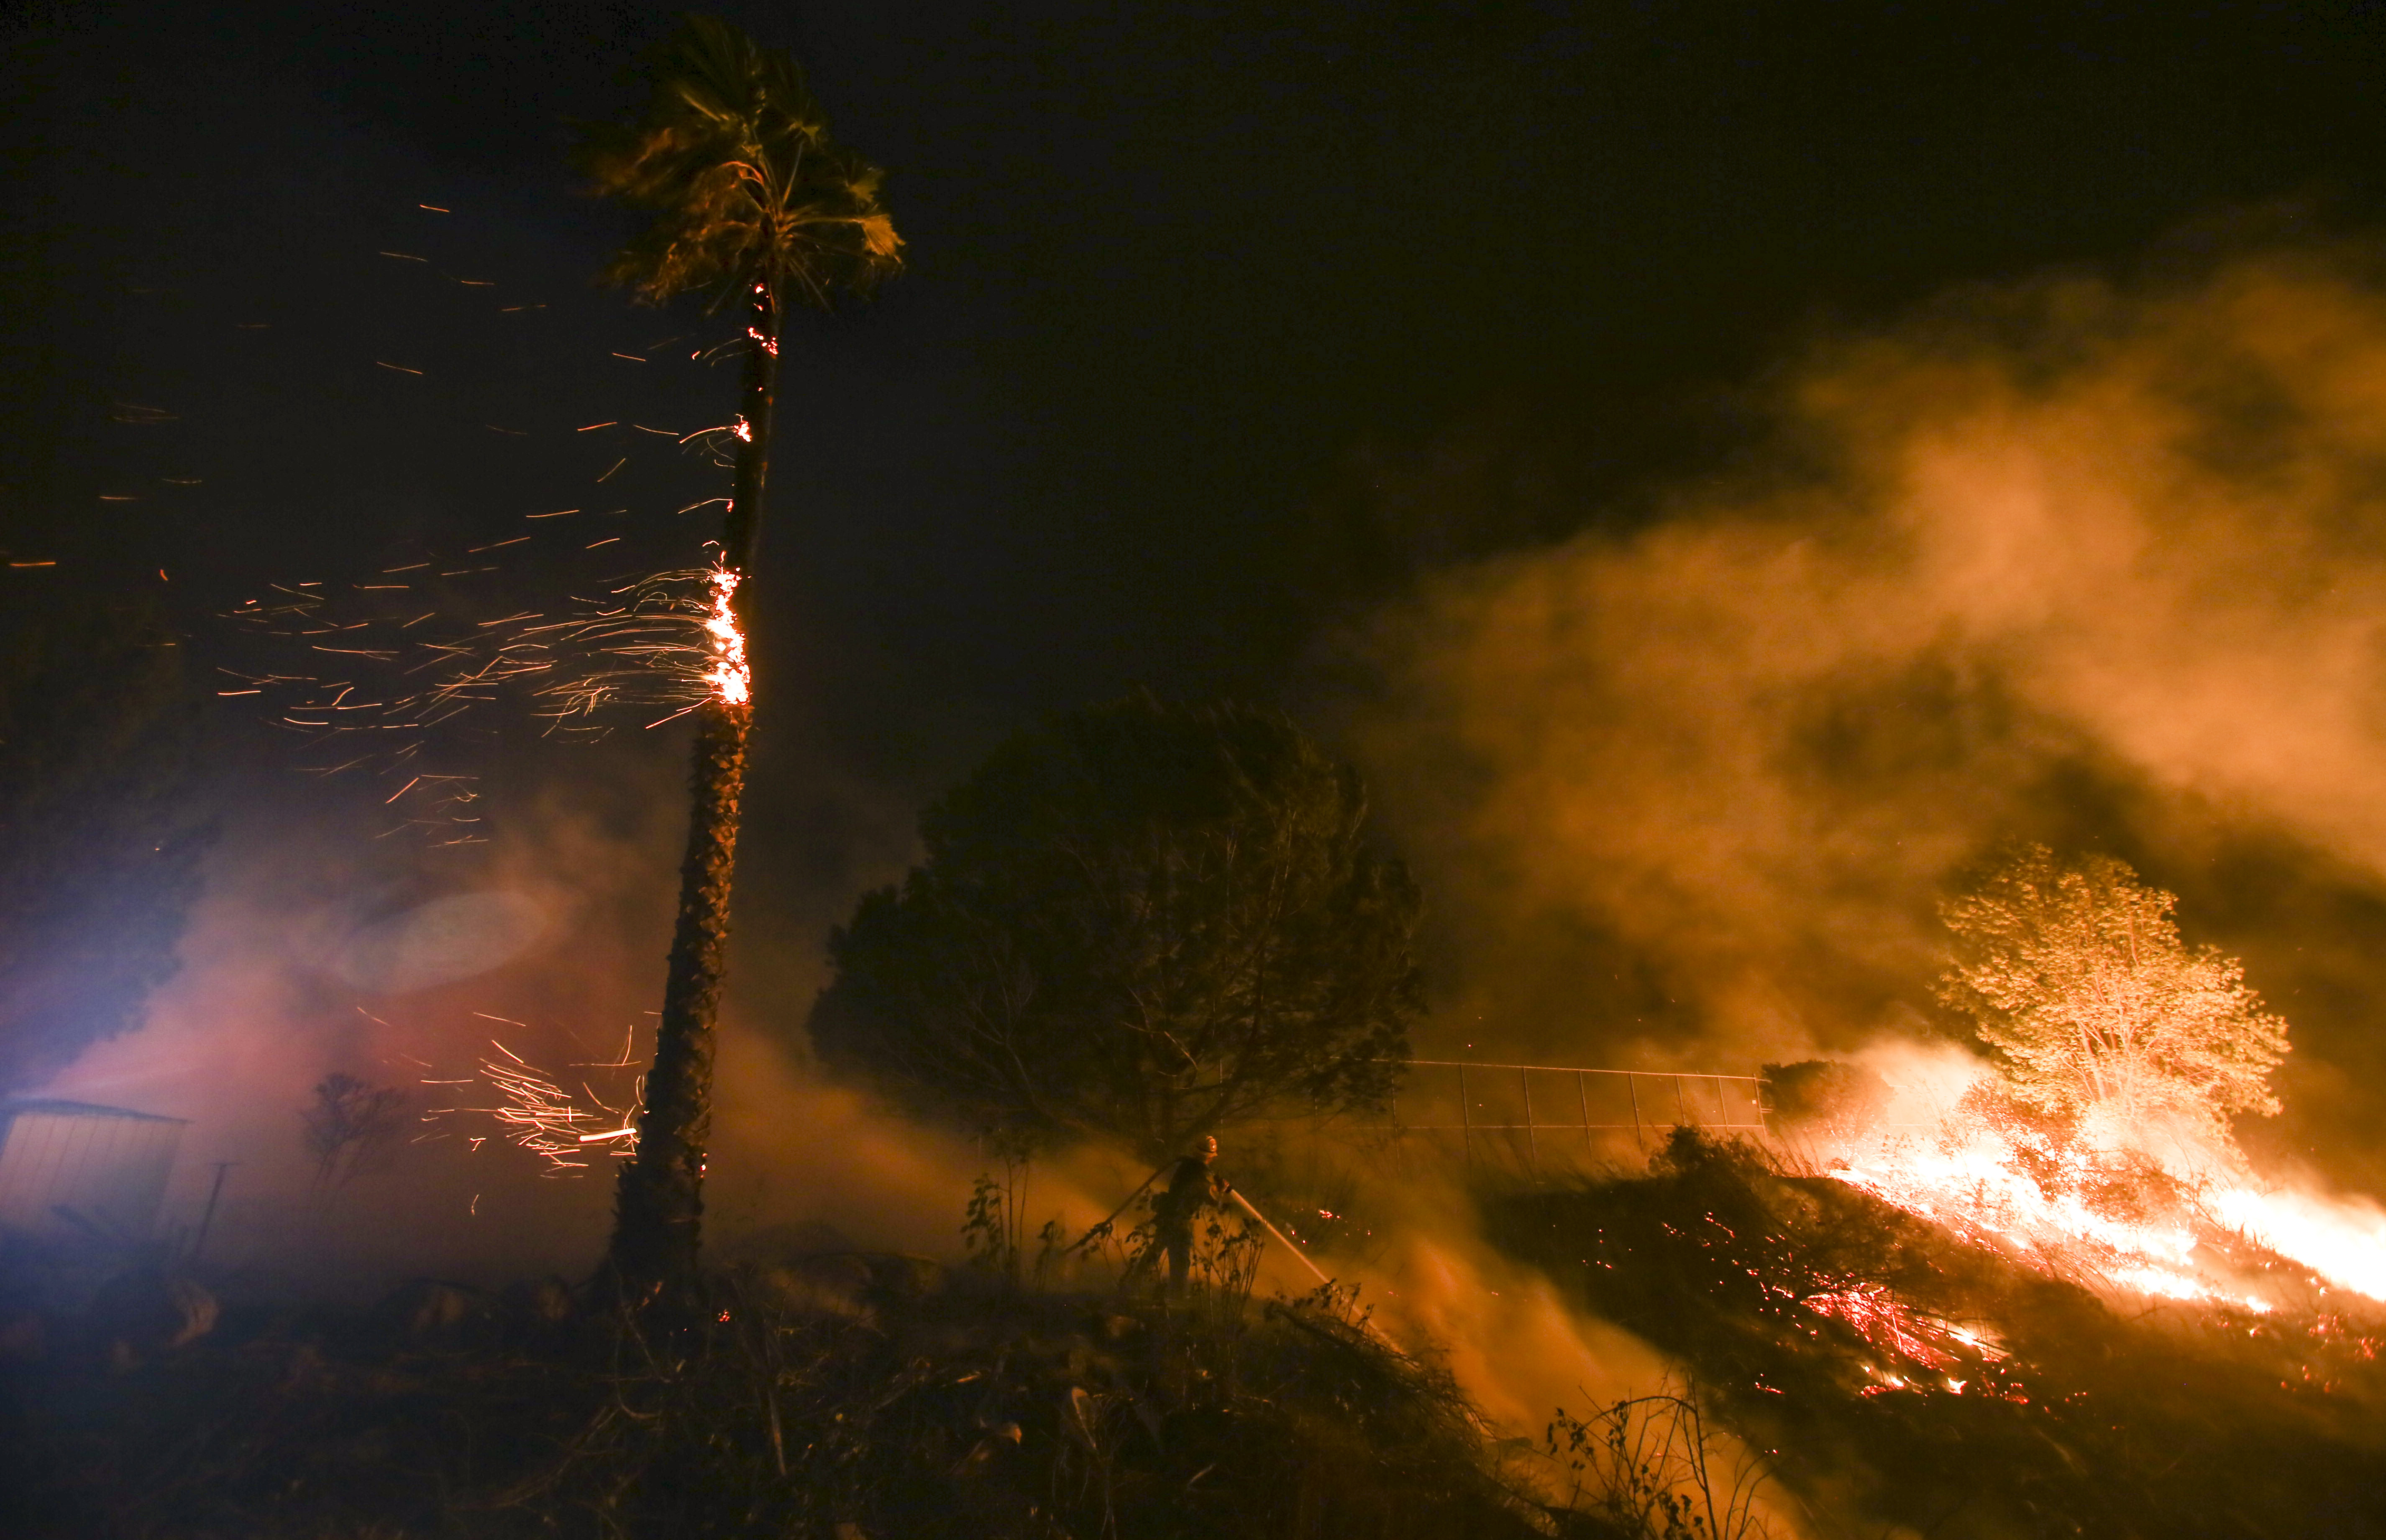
1192,1187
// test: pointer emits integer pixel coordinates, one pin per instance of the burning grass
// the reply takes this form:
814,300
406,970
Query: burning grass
1914,1376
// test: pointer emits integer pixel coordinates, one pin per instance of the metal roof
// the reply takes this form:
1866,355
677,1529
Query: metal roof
81,1109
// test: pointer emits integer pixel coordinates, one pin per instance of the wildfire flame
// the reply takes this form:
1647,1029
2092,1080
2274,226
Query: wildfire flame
732,680
2187,1220
2344,1244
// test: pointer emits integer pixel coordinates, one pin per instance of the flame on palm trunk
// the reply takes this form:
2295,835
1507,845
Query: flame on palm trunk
732,680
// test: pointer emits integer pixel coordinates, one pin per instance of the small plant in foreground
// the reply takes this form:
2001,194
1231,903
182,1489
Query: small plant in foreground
1651,1467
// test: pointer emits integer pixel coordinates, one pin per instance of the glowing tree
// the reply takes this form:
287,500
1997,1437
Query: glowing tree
755,205
2075,975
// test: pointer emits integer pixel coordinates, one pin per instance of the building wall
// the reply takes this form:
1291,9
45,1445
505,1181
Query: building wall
103,1164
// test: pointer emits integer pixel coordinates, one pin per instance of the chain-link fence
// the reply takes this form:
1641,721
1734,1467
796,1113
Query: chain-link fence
1534,1116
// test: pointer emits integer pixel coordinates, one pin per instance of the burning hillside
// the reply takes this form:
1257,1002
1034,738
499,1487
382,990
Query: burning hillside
1913,1375
2116,1218
2096,1144
2036,1288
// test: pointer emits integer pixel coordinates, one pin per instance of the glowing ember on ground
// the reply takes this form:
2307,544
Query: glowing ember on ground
1886,1322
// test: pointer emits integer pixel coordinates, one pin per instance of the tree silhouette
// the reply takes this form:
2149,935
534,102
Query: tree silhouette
352,1127
752,204
1140,921
2076,976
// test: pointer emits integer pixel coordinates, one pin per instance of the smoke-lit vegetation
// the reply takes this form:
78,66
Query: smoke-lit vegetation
2098,1136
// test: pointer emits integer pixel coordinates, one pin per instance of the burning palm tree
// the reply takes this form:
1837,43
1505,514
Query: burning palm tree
754,204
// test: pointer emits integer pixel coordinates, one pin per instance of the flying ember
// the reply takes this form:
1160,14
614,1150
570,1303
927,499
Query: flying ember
534,1111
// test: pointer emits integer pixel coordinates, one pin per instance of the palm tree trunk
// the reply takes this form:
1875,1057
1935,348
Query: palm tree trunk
658,1208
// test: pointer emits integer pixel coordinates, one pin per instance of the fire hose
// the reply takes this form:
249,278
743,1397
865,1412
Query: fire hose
1319,1274
1315,1271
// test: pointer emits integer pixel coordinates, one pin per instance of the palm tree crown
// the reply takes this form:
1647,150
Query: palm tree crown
733,156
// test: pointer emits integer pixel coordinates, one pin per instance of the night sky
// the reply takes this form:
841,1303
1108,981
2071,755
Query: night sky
1194,292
